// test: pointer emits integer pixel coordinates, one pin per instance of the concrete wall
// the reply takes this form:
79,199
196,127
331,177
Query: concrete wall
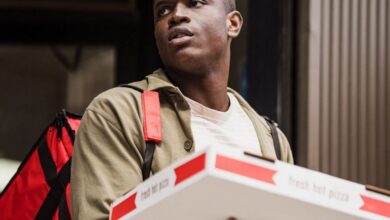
35,85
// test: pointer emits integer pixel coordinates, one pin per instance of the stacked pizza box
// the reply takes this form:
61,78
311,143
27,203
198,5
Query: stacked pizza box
222,184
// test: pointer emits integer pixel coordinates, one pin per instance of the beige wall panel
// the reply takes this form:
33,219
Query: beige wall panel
345,53
344,88
388,96
353,95
362,118
324,87
371,83
313,87
334,86
381,94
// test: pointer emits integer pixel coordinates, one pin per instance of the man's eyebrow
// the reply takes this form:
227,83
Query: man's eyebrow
158,3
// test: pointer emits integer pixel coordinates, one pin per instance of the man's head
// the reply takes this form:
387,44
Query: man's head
195,35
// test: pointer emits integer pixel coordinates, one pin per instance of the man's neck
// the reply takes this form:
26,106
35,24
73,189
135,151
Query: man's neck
208,89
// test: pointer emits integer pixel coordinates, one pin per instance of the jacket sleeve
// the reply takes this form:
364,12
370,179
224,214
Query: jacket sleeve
286,152
105,166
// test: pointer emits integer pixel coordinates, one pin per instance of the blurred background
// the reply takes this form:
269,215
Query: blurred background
320,68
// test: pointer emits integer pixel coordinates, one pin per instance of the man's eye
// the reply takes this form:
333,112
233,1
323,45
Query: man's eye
196,3
163,11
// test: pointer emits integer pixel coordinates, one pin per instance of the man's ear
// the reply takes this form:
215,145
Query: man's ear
234,23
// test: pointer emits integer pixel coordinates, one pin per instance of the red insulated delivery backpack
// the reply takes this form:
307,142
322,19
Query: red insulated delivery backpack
40,187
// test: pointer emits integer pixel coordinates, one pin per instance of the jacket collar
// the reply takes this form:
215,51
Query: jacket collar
159,80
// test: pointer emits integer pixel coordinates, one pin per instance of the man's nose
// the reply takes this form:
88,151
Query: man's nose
179,15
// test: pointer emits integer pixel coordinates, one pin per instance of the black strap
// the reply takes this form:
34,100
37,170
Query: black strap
150,145
275,136
54,196
63,209
47,162
61,121
148,158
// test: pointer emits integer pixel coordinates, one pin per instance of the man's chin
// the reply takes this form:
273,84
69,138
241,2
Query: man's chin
185,56
189,66
184,51
188,60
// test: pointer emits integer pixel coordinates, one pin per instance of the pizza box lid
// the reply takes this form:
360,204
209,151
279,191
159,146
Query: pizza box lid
227,183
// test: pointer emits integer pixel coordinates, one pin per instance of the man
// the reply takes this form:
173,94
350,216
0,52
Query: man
197,108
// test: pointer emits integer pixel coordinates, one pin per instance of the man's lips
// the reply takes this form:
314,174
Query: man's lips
179,32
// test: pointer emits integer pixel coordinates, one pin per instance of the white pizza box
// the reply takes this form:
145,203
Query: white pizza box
221,184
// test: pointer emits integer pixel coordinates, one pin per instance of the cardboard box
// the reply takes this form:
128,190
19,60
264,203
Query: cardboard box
222,184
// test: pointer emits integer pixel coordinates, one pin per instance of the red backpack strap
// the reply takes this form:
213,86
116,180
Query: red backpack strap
151,124
151,116
152,128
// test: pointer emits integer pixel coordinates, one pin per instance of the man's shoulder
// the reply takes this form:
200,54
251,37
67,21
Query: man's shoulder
118,101
127,97
115,96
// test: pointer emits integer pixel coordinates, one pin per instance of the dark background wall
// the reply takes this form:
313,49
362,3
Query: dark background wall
271,34
125,30
35,85
27,100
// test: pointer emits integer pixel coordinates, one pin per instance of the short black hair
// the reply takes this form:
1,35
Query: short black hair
230,5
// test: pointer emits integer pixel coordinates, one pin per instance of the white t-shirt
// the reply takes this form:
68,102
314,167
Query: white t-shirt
232,128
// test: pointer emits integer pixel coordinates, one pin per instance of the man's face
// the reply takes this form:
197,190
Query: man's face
190,34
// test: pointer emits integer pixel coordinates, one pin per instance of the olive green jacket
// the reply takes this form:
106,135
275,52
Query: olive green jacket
109,147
